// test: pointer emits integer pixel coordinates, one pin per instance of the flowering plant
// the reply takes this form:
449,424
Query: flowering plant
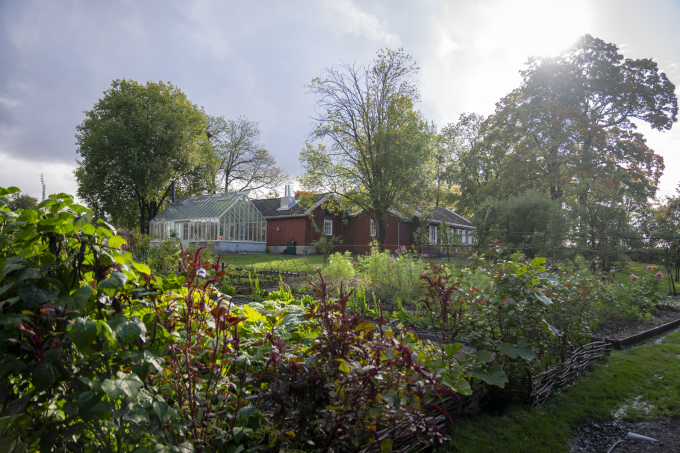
645,290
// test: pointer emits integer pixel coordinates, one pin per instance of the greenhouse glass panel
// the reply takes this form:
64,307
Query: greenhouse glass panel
218,219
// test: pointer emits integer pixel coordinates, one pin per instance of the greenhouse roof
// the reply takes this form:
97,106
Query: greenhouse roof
440,214
200,207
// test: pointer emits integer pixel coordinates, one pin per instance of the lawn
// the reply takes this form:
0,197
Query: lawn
650,372
305,264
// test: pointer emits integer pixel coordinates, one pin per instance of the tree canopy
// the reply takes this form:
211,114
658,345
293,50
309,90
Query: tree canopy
574,116
134,142
19,200
377,146
239,161
569,131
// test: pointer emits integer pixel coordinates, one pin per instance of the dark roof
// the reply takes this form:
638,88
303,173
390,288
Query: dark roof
438,214
271,207
451,217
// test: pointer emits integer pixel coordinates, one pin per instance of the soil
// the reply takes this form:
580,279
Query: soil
617,330
600,437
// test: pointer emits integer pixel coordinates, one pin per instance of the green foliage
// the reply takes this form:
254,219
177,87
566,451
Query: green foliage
355,377
256,293
467,163
358,302
284,293
391,274
339,269
641,293
163,259
552,139
525,315
20,200
91,348
558,131
134,142
526,223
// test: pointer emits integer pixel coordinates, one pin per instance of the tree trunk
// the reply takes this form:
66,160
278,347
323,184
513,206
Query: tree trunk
382,228
143,226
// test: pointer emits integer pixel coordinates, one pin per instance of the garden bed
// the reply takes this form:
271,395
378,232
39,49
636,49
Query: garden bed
618,330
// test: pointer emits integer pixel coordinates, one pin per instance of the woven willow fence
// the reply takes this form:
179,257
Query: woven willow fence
527,390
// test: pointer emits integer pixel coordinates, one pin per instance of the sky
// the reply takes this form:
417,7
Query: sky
254,58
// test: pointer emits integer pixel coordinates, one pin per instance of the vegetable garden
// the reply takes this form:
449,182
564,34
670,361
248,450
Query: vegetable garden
106,352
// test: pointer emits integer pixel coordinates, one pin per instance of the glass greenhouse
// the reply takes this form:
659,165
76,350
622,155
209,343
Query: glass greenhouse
230,221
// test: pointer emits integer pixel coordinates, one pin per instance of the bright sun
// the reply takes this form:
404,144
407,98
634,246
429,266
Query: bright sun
536,27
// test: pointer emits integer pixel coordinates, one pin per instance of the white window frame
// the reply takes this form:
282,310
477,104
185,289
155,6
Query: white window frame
328,227
434,237
374,230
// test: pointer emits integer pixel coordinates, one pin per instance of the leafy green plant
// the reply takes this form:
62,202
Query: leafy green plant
358,302
226,288
163,259
75,358
339,268
394,274
98,355
405,316
256,293
645,289
284,293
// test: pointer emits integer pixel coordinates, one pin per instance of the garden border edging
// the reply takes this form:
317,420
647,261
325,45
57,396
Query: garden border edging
619,344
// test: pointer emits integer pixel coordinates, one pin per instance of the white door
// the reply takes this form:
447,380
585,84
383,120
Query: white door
183,228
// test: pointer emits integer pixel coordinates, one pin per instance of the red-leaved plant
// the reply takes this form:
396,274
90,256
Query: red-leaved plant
357,378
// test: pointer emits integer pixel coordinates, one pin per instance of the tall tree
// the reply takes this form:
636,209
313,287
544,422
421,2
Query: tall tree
379,147
240,161
134,142
573,117
473,165
20,200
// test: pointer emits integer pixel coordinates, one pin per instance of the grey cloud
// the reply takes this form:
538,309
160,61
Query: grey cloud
241,58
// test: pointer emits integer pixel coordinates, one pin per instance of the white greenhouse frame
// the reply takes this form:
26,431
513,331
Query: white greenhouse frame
229,221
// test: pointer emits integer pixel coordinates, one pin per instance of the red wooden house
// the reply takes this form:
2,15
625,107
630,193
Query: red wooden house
401,230
289,221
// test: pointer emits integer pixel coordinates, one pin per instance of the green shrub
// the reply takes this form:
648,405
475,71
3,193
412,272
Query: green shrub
528,317
98,356
339,268
394,274
164,258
